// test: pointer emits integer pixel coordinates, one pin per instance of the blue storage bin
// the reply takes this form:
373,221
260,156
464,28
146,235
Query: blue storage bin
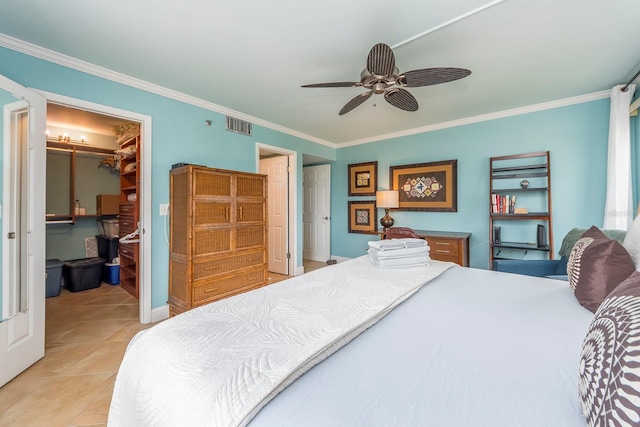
111,273
53,281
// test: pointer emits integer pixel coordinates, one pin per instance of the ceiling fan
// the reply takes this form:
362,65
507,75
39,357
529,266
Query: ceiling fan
382,76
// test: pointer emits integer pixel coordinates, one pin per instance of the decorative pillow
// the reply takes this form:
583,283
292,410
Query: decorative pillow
596,266
609,376
632,241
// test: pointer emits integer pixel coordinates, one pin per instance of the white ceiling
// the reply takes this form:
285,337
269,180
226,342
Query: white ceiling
252,56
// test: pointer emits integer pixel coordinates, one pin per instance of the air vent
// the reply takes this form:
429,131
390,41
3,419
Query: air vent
238,126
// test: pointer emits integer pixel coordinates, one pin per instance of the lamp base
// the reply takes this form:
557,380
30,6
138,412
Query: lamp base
386,221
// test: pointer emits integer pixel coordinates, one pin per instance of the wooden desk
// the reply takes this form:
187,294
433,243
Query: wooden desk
445,245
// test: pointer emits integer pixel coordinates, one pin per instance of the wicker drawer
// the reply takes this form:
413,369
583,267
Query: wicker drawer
220,265
212,290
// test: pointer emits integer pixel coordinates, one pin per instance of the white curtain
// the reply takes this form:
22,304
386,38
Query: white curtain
618,210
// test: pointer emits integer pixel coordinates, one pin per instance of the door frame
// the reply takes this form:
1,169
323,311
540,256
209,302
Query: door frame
145,247
294,269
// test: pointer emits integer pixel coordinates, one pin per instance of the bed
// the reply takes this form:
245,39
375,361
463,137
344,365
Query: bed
450,346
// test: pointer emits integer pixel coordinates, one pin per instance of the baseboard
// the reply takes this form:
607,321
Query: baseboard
298,270
340,258
160,313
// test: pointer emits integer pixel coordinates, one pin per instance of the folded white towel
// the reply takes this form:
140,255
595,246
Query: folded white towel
399,253
392,244
400,262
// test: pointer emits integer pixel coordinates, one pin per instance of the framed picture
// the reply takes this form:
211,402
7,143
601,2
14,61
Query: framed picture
363,179
426,186
363,217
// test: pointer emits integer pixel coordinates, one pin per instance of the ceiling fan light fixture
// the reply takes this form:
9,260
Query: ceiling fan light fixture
379,88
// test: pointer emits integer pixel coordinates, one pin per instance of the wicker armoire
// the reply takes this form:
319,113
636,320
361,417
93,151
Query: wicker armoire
218,235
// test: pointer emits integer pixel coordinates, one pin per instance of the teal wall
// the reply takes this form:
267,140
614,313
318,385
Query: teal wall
575,135
179,135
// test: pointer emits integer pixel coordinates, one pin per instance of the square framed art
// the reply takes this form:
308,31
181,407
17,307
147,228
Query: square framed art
363,217
426,186
363,179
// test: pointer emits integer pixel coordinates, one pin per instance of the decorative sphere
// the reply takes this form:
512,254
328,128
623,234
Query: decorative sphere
386,221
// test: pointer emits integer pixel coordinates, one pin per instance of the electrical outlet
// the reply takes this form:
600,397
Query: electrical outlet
164,209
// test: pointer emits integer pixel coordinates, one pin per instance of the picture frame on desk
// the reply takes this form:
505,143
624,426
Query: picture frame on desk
363,217
426,186
363,179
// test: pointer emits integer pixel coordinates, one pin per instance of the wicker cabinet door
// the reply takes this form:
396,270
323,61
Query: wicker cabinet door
210,182
250,211
251,186
208,212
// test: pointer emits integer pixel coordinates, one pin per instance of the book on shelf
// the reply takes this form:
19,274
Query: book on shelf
503,203
520,211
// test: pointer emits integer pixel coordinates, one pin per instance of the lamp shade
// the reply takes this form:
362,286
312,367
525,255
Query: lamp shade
387,199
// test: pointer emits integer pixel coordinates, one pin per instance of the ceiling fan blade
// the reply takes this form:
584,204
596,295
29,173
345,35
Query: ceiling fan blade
401,99
381,61
432,76
355,102
336,84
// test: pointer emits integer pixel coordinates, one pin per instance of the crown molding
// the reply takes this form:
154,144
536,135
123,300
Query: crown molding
86,67
484,117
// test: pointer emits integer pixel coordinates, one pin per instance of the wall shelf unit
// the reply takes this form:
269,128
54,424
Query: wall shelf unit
129,216
520,218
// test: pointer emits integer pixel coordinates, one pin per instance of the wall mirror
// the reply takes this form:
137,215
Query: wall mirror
14,124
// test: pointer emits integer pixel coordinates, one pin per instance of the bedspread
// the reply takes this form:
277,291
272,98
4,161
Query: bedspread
220,363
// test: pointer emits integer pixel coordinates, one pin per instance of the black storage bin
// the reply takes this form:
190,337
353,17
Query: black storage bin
82,274
107,247
54,278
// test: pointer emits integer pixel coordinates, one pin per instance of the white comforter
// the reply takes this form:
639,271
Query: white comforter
219,364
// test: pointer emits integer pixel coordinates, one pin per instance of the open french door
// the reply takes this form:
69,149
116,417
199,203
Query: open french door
23,229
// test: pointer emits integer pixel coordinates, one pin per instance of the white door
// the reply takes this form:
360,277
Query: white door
276,169
316,215
23,229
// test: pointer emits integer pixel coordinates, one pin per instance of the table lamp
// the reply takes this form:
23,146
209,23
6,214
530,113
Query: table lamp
387,199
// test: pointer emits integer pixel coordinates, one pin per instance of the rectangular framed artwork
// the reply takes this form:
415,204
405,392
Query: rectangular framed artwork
363,217
363,179
426,186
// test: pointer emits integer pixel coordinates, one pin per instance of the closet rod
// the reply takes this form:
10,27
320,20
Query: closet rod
626,87
66,150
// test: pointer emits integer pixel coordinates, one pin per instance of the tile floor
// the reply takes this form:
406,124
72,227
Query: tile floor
86,335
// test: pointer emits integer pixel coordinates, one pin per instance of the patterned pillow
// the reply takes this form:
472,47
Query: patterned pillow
609,376
632,241
596,266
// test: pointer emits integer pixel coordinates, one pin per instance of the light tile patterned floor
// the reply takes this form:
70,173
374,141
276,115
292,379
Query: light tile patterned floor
86,335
